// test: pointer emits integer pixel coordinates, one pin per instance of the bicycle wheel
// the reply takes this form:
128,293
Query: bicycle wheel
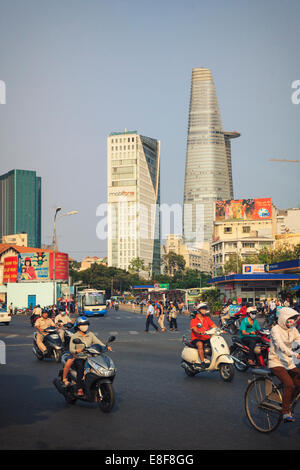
263,404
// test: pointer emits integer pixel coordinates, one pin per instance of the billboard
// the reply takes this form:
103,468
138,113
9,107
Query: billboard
33,266
36,266
244,209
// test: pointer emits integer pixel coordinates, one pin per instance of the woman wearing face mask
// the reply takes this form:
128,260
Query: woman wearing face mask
88,338
248,329
282,357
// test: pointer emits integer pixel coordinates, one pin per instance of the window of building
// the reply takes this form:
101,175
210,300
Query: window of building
227,229
246,229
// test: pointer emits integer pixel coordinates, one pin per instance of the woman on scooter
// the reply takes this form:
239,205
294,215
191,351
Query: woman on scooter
199,325
248,329
87,338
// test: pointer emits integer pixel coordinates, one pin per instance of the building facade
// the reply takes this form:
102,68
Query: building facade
20,205
208,172
133,180
195,258
241,236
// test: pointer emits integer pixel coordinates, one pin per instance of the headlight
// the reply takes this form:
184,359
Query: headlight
102,370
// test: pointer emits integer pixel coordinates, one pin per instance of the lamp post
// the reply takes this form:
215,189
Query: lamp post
55,245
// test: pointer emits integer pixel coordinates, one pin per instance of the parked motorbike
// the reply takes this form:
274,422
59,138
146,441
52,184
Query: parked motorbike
216,351
232,324
53,344
99,375
240,352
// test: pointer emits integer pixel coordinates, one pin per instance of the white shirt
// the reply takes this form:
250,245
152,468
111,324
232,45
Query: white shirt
150,310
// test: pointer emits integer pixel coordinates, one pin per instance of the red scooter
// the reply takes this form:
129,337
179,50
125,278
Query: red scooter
240,352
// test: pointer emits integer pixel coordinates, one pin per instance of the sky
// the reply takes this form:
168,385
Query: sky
75,71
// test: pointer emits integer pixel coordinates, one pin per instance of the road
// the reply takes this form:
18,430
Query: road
157,405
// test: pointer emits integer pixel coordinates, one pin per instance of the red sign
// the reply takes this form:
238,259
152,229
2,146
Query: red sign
10,270
61,266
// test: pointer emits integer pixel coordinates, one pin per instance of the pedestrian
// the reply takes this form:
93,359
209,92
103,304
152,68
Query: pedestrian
149,317
161,316
173,317
10,308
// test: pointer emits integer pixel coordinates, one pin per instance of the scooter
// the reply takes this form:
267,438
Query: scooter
69,331
240,352
216,350
99,375
232,324
53,344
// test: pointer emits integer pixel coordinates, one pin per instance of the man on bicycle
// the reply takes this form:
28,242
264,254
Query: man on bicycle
282,357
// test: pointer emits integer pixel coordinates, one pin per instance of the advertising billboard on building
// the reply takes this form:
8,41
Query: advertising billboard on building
244,209
36,266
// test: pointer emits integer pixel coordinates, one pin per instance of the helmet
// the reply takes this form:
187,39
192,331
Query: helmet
81,321
203,305
252,312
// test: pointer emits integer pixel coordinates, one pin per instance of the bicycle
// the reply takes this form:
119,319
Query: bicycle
263,401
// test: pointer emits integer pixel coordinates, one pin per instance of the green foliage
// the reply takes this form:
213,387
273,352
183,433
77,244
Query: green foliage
214,299
173,263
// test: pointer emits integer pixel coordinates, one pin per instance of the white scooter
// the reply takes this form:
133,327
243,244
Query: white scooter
217,352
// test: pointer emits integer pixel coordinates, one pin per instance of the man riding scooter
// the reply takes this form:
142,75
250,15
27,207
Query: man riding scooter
199,325
41,324
60,320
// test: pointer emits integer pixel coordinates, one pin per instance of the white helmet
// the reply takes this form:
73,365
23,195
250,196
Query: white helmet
203,305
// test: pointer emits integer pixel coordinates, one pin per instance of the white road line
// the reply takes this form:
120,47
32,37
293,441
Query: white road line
11,336
133,332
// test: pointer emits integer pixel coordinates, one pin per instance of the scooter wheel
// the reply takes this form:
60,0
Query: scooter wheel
105,396
227,372
57,356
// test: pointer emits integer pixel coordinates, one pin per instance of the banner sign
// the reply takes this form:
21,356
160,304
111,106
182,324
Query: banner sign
244,209
35,266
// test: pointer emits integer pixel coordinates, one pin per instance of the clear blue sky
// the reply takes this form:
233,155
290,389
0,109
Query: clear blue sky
77,70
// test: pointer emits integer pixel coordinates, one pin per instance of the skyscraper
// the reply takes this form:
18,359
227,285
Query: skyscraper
208,173
133,200
20,205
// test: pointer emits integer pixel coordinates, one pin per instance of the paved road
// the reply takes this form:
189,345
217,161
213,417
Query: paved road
157,405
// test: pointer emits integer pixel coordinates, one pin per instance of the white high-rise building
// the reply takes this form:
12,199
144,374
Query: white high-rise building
133,181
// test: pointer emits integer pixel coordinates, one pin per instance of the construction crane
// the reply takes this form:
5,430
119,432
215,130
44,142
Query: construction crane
283,160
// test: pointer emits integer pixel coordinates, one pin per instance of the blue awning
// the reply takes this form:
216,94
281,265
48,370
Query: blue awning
296,287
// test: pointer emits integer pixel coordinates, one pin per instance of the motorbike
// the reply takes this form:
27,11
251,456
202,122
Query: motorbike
270,320
232,324
216,351
99,375
53,344
240,352
69,332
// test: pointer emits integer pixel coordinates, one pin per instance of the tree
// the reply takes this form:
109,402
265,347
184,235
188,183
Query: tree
173,263
137,265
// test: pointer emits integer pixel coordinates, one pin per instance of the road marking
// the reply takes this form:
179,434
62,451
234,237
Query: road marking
133,332
11,336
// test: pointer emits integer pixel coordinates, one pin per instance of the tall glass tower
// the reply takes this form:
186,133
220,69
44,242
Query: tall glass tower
20,205
208,173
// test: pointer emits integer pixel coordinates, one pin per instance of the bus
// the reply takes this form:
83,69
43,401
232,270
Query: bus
91,302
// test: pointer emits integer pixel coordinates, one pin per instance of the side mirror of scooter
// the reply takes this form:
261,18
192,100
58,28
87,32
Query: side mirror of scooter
111,339
183,338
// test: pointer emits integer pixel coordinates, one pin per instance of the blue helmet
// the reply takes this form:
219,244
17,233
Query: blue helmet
81,321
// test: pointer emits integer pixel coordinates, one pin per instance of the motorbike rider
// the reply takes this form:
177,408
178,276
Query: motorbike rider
282,357
199,325
60,320
249,327
88,338
41,324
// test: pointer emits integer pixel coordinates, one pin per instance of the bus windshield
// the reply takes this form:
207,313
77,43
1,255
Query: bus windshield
94,299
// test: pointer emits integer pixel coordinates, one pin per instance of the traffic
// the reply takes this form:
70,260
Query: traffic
87,372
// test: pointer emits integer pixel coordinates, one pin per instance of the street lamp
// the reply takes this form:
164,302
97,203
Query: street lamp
55,244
